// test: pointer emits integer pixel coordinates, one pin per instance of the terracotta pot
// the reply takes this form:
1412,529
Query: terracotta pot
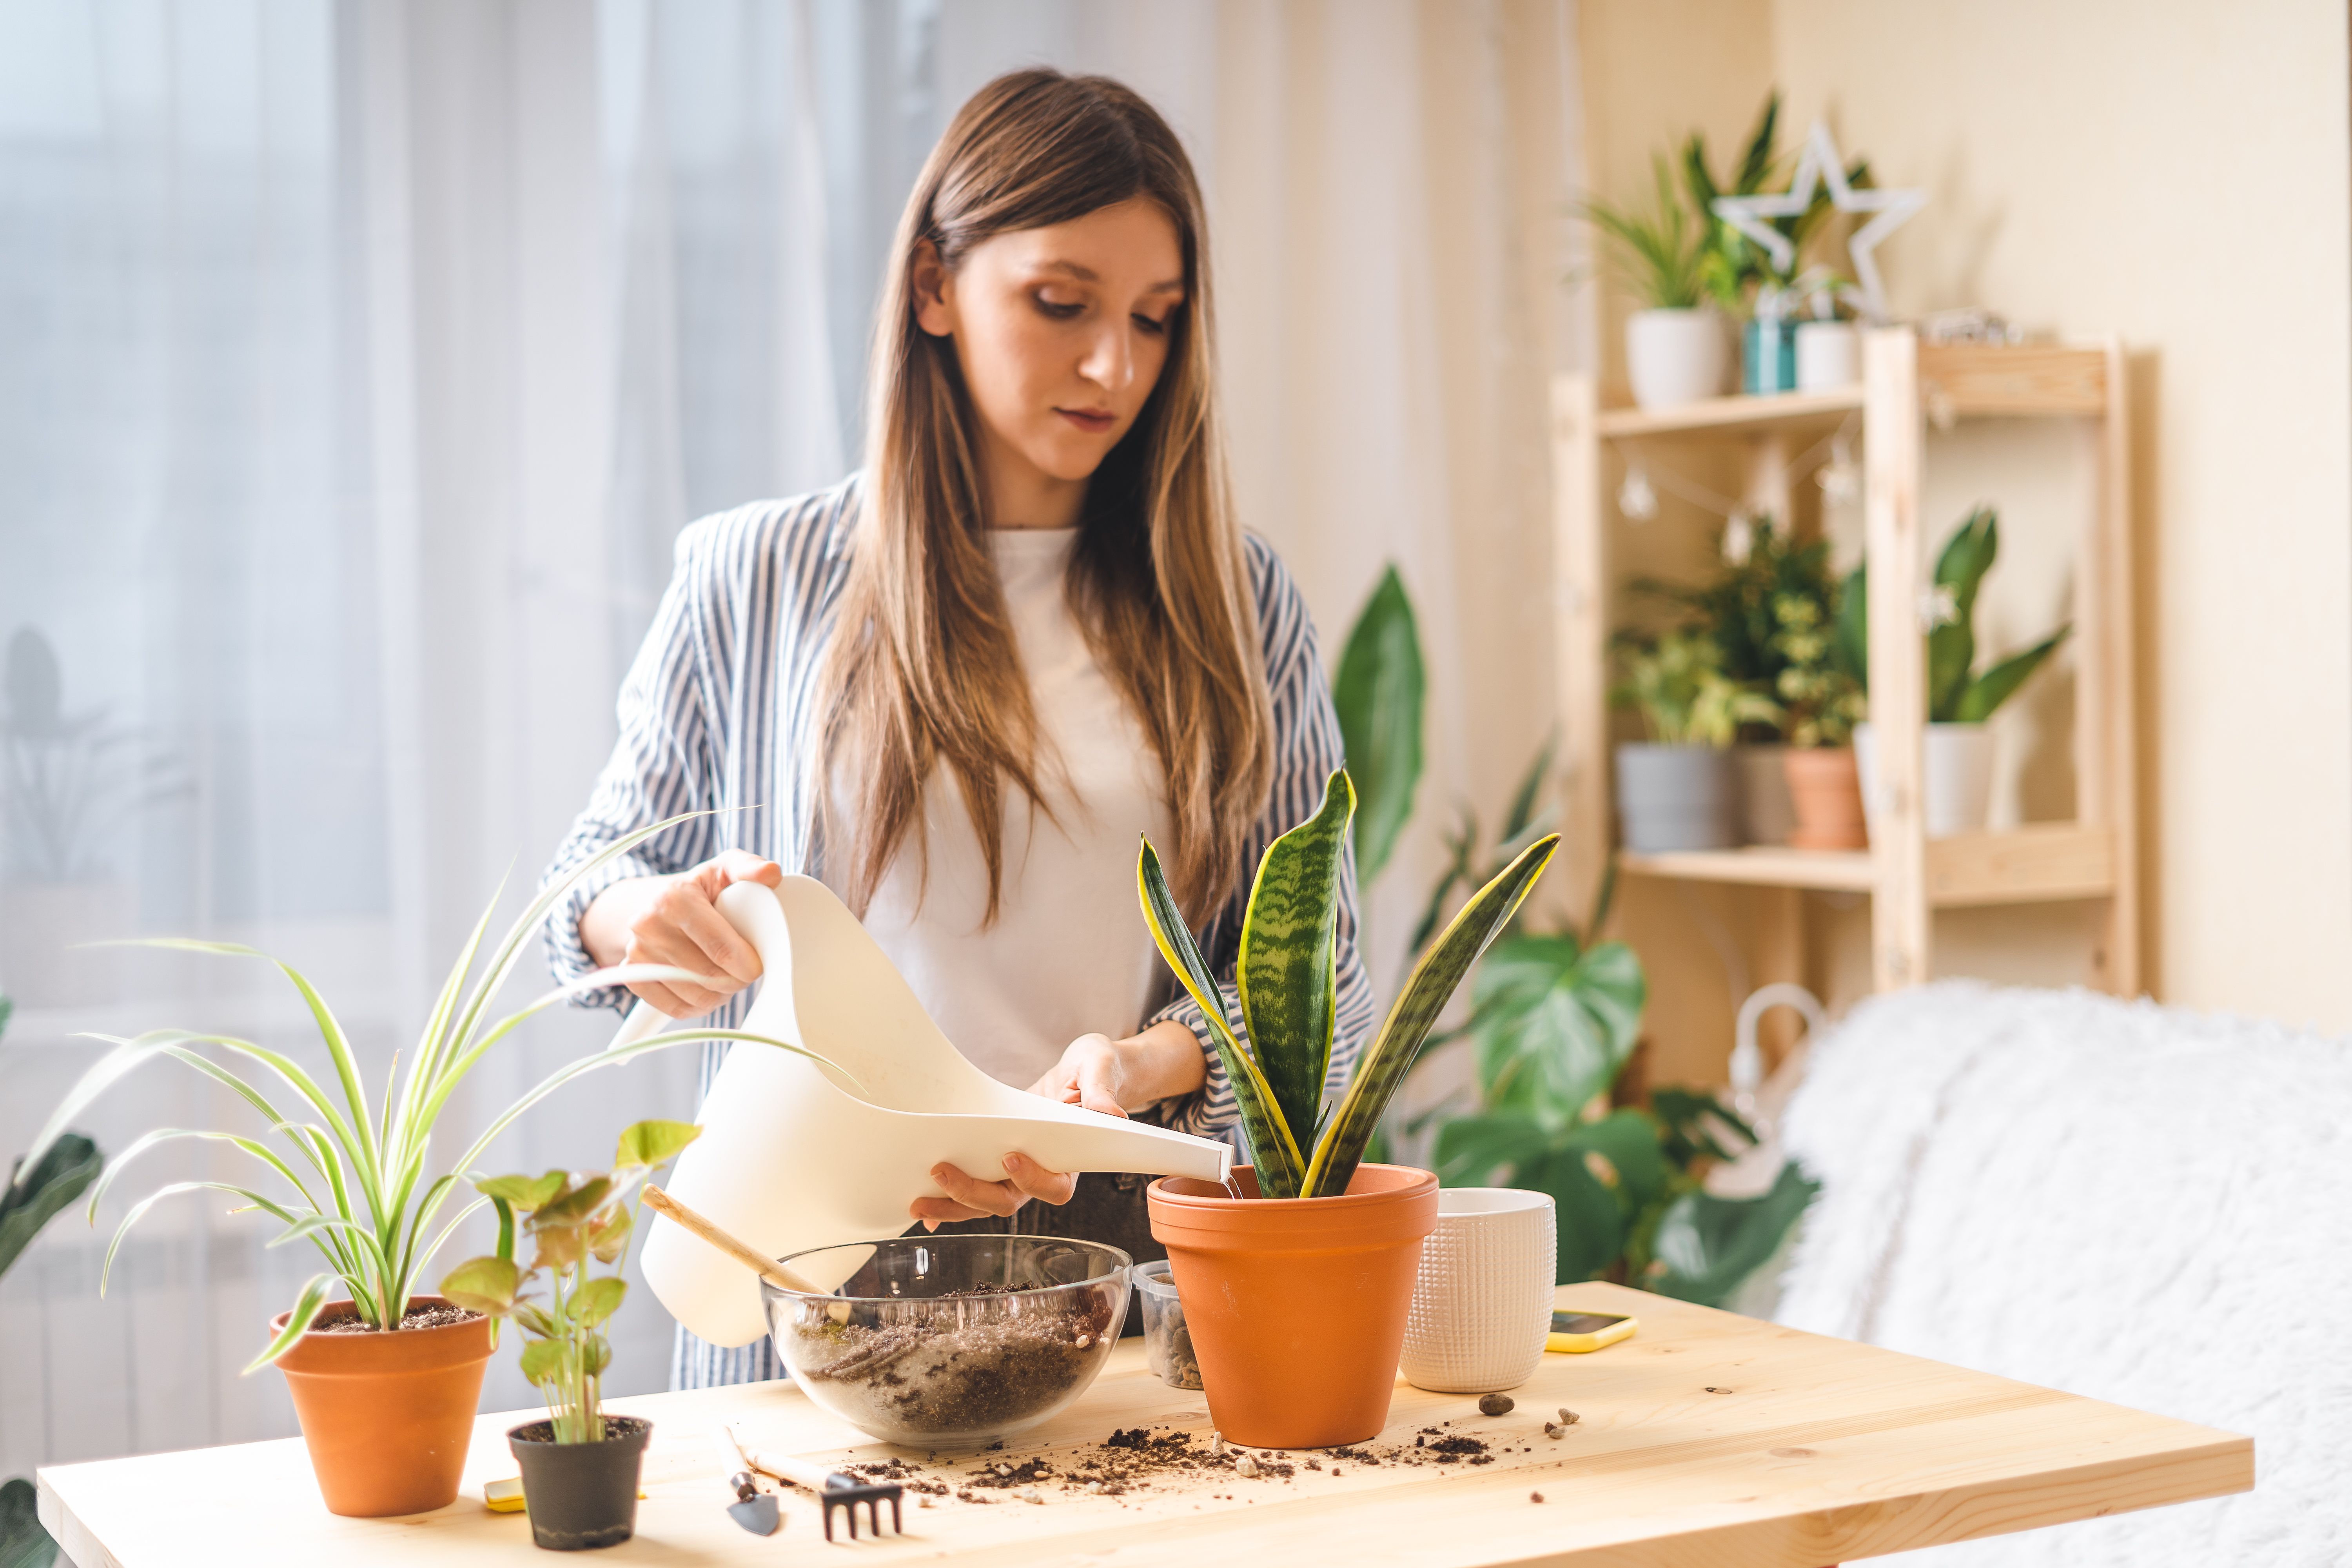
1827,793
1297,1306
387,1416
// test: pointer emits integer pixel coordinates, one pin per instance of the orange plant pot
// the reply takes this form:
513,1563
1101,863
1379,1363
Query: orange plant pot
387,1417
1297,1306
1826,791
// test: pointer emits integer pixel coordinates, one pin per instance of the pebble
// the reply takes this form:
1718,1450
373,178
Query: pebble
1216,1442
1534,1497
1094,1485
1031,1497
1246,1465
1495,1405
1569,1417
1554,1430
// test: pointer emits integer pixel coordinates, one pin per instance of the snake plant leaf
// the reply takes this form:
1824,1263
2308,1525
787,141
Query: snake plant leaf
1853,628
1381,690
1273,1150
1436,974
1286,972
35,1197
298,1322
1996,685
1706,1246
1952,641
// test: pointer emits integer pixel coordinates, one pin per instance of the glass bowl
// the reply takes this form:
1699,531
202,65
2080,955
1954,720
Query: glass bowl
1167,1344
950,1341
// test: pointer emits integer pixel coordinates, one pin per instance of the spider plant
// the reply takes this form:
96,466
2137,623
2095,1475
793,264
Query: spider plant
1287,981
1957,692
573,1220
1662,250
355,1186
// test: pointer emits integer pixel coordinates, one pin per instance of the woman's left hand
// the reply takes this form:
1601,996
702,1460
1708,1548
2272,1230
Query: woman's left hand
1098,1072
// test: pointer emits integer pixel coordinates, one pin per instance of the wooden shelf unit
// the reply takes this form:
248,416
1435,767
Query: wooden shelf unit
1906,874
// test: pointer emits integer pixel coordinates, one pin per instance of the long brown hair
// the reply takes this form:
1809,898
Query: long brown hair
924,671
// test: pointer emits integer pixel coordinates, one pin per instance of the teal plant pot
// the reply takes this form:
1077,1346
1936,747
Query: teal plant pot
1768,357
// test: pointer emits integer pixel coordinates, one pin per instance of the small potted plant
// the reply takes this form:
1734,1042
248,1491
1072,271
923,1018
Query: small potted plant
1679,790
1295,1290
578,1466
1820,701
1678,346
385,1381
1957,763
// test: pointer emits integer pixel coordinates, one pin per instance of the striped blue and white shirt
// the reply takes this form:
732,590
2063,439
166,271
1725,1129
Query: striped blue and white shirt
719,714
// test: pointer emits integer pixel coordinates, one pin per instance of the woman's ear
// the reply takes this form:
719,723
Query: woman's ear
934,292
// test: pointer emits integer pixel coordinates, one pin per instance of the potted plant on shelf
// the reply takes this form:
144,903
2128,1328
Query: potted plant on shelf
1957,761
1678,790
1678,346
1296,1291
578,1466
1819,688
384,1383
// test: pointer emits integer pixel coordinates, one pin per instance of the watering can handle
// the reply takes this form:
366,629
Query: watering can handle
644,1019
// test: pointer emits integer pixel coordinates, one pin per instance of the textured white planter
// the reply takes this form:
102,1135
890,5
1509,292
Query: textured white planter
1676,356
1828,355
1481,1301
1958,775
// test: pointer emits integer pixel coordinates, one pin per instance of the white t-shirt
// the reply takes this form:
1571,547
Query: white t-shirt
1069,953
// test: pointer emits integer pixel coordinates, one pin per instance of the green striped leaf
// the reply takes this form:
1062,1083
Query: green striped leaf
1435,977
1288,977
1273,1151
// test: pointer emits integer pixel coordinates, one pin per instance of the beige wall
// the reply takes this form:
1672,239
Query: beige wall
2176,173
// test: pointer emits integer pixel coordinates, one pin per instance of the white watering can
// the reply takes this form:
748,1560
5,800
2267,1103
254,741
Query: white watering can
796,1155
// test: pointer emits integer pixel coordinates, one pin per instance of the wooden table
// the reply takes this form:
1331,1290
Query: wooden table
1708,1439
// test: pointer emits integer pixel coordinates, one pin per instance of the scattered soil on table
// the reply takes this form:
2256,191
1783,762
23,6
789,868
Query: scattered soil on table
417,1318
998,1366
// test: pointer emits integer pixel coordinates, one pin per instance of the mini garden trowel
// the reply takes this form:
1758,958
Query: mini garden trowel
752,1509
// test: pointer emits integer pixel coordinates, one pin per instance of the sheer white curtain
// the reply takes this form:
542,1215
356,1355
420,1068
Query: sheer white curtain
363,359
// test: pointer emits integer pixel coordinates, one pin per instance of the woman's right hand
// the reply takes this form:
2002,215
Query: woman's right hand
676,921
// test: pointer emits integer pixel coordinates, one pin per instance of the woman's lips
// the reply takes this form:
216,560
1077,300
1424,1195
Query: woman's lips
1093,421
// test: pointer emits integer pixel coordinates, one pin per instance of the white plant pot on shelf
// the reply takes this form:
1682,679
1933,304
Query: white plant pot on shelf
1676,356
1956,777
1828,355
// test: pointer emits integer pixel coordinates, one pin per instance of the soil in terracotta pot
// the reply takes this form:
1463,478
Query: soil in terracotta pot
994,1368
439,1317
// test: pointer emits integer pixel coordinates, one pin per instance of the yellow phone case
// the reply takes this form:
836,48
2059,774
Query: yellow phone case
1576,1345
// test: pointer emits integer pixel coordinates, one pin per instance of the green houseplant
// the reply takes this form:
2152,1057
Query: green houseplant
1318,1235
579,1467
385,1411
1679,790
1957,761
1821,700
37,1191
1678,346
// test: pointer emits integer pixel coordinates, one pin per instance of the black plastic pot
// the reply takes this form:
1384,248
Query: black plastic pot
580,1495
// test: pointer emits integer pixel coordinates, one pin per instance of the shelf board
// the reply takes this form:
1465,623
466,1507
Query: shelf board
1761,864
1993,380
1715,415
2039,863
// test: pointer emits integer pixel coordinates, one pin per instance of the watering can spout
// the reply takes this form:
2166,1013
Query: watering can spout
797,1154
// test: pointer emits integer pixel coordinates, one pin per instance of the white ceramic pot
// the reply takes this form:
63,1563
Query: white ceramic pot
1828,355
1958,777
1676,356
1481,1301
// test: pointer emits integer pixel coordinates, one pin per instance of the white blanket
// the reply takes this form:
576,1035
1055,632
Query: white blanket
2124,1201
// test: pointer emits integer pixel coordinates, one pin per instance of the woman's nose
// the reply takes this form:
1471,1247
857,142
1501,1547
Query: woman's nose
1110,360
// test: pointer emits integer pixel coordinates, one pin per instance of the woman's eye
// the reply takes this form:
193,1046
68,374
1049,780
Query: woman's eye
1148,325
1060,311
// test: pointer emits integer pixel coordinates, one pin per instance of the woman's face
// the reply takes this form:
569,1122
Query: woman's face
1061,331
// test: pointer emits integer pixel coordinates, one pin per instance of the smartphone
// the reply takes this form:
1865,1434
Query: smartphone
1575,1332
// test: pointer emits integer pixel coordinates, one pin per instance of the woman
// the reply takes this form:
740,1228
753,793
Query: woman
958,686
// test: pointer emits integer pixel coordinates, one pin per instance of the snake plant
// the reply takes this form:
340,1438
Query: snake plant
1287,975
356,1187
1957,692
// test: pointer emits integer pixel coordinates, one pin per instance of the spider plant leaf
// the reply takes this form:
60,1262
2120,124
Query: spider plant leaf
43,1188
1988,691
122,1162
1434,976
95,1081
1287,972
1380,692
310,1224
1273,1150
139,1211
298,1322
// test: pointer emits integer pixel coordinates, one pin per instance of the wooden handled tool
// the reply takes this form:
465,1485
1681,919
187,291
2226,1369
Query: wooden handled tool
686,1220
833,1489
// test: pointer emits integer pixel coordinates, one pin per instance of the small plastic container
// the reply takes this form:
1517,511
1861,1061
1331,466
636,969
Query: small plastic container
1167,1344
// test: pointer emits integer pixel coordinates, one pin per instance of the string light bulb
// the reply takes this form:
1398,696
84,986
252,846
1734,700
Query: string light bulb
1738,537
1636,498
1839,480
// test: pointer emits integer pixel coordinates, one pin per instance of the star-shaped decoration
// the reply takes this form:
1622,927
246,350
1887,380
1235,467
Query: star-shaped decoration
1820,163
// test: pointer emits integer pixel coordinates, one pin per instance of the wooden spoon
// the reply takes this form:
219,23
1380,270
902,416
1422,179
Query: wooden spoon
767,1268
